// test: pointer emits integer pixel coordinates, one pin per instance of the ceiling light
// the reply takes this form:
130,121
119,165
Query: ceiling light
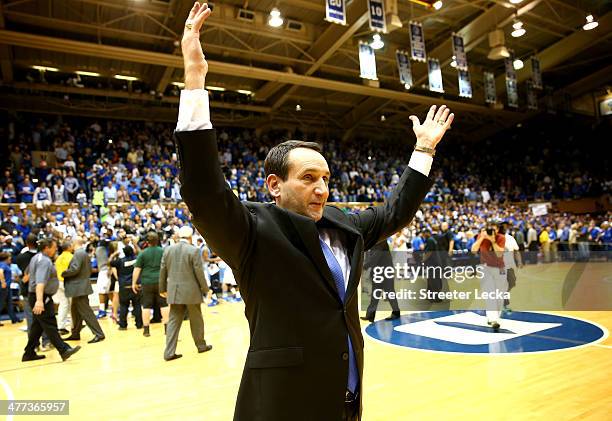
298,107
518,64
519,31
46,69
275,20
516,1
84,73
123,77
437,5
377,42
382,117
407,86
244,92
591,23
179,84
498,53
215,88
453,62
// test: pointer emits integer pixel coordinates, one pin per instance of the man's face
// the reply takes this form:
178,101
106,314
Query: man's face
305,191
52,249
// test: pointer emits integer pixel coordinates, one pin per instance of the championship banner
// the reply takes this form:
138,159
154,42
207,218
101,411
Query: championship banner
335,11
465,86
435,75
459,52
403,68
511,84
417,42
532,98
489,88
536,73
377,15
367,62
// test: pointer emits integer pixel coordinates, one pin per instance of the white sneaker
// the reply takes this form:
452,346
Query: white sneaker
23,328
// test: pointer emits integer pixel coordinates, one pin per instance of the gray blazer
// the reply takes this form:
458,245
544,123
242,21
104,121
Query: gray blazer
182,275
76,277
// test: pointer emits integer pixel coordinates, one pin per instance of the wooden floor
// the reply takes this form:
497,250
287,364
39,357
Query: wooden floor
125,377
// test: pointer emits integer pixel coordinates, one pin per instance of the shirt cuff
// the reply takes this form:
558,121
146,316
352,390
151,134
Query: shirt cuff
421,162
194,112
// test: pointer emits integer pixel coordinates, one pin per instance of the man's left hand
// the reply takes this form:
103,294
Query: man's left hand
433,128
163,294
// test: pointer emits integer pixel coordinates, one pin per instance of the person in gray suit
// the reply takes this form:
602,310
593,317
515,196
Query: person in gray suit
182,283
78,286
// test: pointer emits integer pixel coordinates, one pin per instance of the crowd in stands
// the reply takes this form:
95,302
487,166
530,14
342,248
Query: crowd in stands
89,161
124,177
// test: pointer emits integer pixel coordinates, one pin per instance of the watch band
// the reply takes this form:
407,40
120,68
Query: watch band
429,151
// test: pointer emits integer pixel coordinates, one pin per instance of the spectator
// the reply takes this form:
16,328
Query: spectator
26,190
42,196
147,272
124,268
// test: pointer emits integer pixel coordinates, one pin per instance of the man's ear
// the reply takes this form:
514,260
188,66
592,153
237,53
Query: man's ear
273,182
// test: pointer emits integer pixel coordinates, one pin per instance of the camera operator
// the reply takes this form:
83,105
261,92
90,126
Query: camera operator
490,243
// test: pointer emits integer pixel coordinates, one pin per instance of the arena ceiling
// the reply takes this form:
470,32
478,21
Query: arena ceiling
316,67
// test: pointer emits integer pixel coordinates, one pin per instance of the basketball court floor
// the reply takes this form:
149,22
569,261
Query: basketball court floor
553,366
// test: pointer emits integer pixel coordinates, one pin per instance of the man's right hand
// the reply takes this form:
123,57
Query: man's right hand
135,288
196,66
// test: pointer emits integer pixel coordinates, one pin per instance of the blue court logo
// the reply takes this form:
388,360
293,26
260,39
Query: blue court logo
468,332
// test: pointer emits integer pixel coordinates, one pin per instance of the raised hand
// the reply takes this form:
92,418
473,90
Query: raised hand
196,66
433,128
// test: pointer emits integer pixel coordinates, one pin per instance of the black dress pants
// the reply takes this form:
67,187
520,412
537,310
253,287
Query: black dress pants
126,295
44,322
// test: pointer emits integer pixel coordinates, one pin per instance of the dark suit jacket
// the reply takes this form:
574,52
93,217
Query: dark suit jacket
297,363
76,277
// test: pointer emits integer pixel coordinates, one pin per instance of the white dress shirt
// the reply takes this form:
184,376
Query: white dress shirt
194,114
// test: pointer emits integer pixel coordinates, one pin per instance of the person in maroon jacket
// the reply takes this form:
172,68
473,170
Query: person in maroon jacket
490,244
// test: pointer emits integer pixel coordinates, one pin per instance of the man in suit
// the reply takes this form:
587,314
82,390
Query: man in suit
305,360
182,283
78,287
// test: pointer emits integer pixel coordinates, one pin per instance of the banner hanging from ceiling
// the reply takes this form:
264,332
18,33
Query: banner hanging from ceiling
459,52
511,83
489,88
536,73
367,62
435,75
465,85
403,68
417,42
532,98
376,11
335,11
